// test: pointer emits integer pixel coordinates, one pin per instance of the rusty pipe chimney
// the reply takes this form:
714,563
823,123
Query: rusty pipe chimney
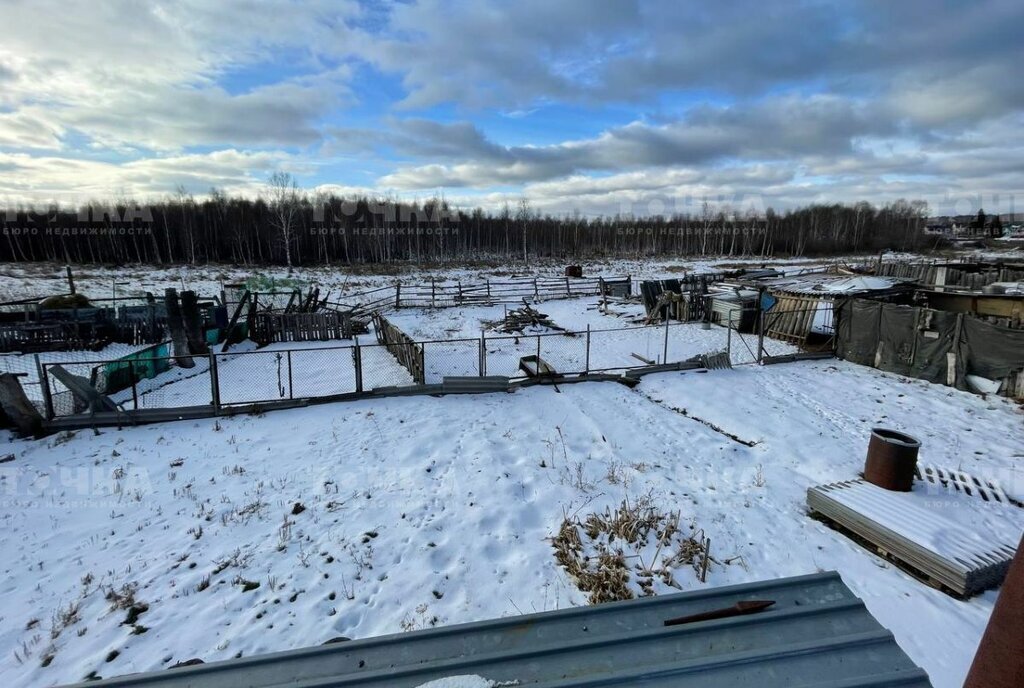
891,459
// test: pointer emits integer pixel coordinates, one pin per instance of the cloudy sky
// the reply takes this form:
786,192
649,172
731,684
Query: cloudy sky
599,106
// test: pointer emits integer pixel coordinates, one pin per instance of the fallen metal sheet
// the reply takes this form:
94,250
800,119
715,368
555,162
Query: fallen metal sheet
474,384
941,546
815,633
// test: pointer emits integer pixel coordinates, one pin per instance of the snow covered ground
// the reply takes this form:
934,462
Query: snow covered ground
22,280
131,550
424,511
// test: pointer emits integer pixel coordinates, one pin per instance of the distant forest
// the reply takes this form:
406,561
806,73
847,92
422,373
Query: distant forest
288,227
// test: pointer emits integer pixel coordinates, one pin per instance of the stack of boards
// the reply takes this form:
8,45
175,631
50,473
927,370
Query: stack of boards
938,545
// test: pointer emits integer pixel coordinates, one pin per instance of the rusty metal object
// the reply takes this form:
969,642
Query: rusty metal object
999,661
739,609
891,460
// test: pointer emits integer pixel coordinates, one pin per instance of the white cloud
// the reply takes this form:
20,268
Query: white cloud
42,179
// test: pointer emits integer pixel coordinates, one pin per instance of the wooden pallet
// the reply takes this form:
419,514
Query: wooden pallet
947,551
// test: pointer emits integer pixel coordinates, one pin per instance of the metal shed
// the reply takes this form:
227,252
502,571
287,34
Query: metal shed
817,633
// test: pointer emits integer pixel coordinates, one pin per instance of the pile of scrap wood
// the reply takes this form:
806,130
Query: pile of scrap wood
519,319
606,305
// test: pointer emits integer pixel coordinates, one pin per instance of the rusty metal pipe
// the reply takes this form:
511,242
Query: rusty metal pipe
891,459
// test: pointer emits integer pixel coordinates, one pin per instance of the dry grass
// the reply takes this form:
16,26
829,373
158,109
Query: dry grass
618,554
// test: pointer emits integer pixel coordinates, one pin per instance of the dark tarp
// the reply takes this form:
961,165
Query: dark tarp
857,330
916,342
934,340
990,350
896,332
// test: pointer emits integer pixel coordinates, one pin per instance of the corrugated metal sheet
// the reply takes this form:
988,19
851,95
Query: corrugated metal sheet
964,557
816,634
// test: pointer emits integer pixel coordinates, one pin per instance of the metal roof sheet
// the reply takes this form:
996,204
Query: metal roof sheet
817,633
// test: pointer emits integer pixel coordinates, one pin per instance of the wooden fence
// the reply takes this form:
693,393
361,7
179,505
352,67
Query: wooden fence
408,353
793,316
966,275
268,327
434,294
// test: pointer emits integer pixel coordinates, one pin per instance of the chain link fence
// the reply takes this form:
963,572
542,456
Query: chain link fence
274,374
453,358
379,368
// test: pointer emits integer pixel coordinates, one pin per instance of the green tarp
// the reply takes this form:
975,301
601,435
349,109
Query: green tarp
145,364
916,342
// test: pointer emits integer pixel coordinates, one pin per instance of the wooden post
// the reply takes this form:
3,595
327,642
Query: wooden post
17,408
177,327
432,292
192,320
398,295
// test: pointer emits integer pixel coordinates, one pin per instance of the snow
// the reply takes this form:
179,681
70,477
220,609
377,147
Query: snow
857,284
469,681
957,527
421,511
425,511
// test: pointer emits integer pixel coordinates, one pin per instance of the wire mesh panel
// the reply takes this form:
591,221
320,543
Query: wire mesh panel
380,368
321,372
166,384
460,357
503,354
155,382
626,348
566,353
64,401
253,376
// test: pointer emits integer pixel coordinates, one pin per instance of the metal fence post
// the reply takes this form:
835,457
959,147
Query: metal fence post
290,394
728,336
538,354
357,357
586,364
135,392
664,356
44,383
760,325
483,354
214,383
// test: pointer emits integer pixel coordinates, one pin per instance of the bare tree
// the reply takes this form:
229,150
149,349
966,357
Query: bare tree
284,206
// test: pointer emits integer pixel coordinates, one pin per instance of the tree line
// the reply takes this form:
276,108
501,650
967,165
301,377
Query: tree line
289,227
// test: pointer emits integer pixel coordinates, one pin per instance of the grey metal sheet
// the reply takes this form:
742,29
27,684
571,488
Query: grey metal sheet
817,634
936,543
